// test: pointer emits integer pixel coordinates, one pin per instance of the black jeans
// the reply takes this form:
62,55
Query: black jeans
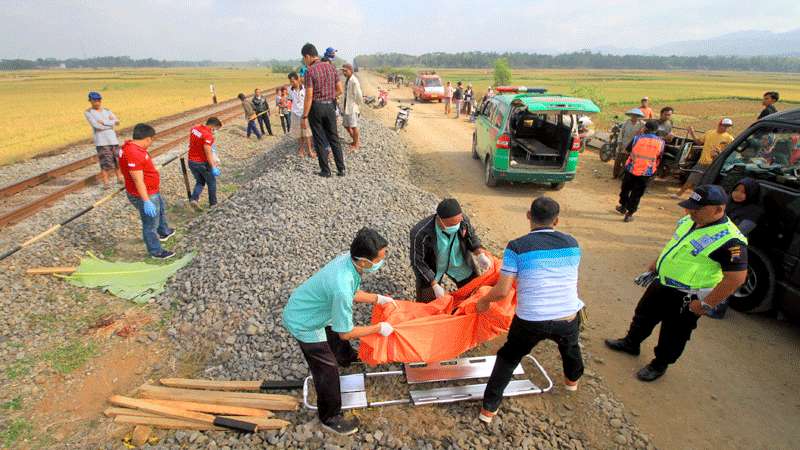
323,359
633,188
322,120
425,292
203,177
665,305
286,122
263,122
523,336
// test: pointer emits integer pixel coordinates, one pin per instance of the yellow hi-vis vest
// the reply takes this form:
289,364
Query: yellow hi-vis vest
685,262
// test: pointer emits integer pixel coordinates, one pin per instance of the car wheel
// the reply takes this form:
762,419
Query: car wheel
605,152
557,186
757,292
489,177
619,164
475,146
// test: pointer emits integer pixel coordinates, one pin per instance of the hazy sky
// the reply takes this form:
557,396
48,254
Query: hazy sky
237,30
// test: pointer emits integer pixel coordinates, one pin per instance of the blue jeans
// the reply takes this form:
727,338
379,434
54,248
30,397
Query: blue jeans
152,227
252,127
202,177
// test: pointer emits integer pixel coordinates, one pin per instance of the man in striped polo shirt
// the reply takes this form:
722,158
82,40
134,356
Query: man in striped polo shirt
544,264
320,316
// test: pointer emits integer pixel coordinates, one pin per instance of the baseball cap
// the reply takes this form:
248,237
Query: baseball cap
95,96
646,98
726,121
705,195
330,52
634,112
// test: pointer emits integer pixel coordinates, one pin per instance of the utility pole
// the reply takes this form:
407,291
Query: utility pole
213,94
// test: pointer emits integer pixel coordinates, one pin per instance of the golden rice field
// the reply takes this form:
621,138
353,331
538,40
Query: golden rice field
44,109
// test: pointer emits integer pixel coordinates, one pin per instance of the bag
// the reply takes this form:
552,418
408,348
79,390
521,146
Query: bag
442,329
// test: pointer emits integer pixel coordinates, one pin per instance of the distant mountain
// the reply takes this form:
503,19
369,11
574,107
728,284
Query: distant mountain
741,43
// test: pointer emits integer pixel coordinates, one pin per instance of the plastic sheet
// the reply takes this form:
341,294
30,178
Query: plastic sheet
442,329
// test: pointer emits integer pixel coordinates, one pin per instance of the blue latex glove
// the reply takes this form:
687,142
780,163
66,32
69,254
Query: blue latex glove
149,208
215,171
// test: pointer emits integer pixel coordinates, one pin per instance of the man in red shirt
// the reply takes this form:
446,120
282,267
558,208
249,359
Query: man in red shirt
203,161
142,182
322,87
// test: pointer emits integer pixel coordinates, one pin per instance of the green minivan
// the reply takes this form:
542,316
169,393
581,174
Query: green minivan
525,135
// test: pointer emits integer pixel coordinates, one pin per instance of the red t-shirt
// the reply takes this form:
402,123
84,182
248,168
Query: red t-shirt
200,136
133,157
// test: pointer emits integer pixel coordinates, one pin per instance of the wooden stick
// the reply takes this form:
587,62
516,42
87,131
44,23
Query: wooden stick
49,270
177,424
116,411
215,409
176,413
252,386
270,402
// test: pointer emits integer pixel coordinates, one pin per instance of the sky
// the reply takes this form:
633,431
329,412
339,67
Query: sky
240,30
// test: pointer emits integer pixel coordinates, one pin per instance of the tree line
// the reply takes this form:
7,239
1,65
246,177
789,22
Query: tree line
584,59
126,61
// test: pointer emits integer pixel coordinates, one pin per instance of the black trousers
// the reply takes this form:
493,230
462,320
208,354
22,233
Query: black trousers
322,120
323,359
665,305
425,292
523,336
633,188
263,122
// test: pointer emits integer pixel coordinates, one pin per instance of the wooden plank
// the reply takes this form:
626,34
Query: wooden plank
116,412
270,402
49,270
166,423
140,435
182,414
215,409
188,383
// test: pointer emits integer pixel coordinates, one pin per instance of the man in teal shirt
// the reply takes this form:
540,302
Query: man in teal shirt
443,244
319,315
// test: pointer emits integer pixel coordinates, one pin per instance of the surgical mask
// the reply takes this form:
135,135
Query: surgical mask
376,266
453,229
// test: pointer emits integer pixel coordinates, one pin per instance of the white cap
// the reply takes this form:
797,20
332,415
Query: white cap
726,121
646,98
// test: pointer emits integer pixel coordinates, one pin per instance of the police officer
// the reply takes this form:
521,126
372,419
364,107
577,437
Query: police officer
702,265
442,244
645,153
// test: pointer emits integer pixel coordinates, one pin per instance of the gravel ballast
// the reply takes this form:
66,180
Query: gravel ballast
280,228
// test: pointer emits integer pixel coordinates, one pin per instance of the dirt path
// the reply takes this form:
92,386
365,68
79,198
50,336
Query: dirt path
736,385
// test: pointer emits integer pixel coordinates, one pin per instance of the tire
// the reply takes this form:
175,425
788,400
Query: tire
488,173
619,165
557,186
440,100
605,152
397,125
475,147
757,293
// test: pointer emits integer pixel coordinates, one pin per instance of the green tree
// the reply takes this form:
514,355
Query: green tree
502,72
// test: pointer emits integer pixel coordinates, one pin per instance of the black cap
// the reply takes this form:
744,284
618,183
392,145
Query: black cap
651,125
448,208
705,195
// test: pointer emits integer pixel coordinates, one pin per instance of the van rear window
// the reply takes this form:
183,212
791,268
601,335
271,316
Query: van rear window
432,82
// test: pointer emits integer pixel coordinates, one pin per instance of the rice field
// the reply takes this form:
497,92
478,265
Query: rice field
44,109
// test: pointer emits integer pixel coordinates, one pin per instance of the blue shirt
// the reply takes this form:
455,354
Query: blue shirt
449,257
545,263
325,299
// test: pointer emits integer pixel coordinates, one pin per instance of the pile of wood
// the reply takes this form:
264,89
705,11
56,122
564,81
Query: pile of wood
202,405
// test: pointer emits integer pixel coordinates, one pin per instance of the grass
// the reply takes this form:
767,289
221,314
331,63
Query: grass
19,368
14,404
18,429
43,109
70,356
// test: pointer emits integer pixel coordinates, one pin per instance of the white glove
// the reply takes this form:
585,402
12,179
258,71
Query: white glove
382,300
484,262
438,291
386,329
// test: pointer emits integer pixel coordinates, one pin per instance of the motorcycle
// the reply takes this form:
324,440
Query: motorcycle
609,149
403,114
383,98
584,132
369,100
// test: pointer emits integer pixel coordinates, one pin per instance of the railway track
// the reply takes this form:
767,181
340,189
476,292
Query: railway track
25,198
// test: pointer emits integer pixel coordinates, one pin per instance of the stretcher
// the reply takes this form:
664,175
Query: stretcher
354,386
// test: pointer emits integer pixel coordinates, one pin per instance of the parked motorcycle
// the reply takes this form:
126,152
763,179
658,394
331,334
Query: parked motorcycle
369,100
383,98
403,114
609,150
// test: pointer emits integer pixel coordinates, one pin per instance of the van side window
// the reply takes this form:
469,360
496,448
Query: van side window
766,149
497,119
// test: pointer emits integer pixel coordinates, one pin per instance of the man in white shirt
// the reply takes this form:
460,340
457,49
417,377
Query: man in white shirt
106,143
352,104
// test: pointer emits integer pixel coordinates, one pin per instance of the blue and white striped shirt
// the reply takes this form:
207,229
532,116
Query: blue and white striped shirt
545,263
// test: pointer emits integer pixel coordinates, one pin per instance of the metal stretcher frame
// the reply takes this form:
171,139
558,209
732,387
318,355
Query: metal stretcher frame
354,392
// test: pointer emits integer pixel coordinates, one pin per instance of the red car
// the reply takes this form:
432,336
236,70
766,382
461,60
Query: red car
428,86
